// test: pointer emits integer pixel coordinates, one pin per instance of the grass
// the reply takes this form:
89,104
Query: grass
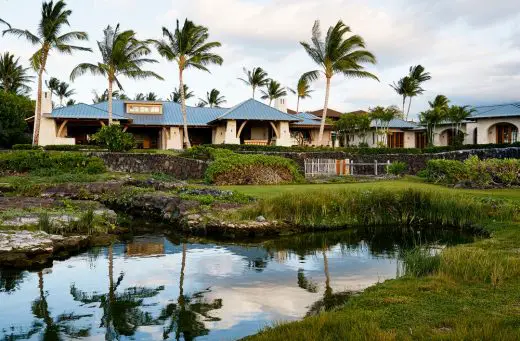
467,292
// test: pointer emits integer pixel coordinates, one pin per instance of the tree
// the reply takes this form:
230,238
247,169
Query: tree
122,54
213,99
139,97
337,54
382,117
303,90
405,87
273,91
64,92
457,114
54,17
151,96
13,76
14,109
175,96
70,102
437,113
188,47
410,86
351,124
104,96
53,84
255,78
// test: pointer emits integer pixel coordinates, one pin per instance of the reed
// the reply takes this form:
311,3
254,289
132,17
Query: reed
344,208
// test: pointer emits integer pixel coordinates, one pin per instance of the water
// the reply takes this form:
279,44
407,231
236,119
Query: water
155,288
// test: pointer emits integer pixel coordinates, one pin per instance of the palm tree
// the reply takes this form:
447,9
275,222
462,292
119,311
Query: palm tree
13,76
255,78
139,97
457,114
405,87
273,91
410,86
151,96
122,55
63,91
381,117
337,54
4,22
53,85
175,96
188,47
303,90
54,17
70,102
437,113
213,99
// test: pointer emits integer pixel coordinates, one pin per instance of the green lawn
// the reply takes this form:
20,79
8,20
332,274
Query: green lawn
474,295
409,182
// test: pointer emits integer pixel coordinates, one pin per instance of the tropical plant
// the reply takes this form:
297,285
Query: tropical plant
64,92
4,22
351,124
188,47
54,17
13,76
255,78
122,54
151,96
437,113
139,97
104,96
200,104
273,90
381,117
14,109
213,99
114,138
337,54
175,96
456,115
405,87
70,102
303,90
410,86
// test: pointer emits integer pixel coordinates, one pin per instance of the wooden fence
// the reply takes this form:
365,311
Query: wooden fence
332,167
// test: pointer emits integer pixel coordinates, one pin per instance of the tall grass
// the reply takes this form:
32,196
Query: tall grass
420,262
343,207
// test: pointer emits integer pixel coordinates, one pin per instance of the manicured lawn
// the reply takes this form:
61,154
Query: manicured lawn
473,295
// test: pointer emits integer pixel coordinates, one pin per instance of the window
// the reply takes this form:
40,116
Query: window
396,140
139,108
421,140
506,133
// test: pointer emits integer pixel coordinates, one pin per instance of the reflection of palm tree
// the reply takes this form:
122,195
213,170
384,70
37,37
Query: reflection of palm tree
185,315
121,313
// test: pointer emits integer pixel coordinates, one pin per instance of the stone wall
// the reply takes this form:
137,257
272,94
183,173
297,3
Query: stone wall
178,167
415,162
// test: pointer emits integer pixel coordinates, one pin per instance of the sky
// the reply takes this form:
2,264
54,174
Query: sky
470,47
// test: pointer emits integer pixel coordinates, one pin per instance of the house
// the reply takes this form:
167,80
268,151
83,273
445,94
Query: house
159,124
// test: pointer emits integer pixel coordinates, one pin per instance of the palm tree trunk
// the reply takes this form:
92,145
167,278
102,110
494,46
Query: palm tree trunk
270,101
110,82
298,105
254,88
38,113
409,106
324,114
404,102
183,109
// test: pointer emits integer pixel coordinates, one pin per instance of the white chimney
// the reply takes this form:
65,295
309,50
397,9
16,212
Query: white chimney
281,104
46,102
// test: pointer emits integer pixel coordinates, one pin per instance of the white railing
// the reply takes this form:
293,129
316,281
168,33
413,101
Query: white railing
332,167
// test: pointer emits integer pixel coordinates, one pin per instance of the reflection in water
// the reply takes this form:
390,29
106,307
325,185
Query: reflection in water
154,288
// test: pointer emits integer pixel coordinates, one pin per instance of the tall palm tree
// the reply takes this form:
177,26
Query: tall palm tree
13,76
54,17
405,87
337,54
437,113
303,90
188,47
255,78
175,96
457,114
273,91
213,99
418,74
63,91
122,55
53,84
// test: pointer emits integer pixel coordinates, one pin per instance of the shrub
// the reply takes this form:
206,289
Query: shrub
14,110
397,168
50,163
445,171
231,168
113,137
25,147
74,147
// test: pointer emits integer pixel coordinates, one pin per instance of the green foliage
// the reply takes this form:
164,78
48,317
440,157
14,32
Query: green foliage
347,207
479,172
50,163
25,146
113,137
57,147
352,124
397,168
45,224
14,110
242,165
420,262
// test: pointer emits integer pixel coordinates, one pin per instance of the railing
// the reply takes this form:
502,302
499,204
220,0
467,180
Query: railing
332,167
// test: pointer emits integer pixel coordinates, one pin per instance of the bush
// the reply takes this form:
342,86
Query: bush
480,173
69,147
398,168
113,137
50,163
231,168
25,147
14,110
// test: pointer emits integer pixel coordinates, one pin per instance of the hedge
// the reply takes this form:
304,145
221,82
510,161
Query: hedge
50,163
57,147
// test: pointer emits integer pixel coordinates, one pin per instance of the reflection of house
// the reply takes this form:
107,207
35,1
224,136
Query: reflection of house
158,124
149,246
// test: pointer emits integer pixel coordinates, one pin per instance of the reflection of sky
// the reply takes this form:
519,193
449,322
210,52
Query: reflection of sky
251,297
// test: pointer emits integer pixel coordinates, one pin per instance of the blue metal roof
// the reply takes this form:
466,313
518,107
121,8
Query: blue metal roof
252,110
307,119
396,123
500,110
83,111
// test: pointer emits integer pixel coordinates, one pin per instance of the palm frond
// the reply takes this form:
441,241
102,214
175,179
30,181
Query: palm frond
83,68
32,38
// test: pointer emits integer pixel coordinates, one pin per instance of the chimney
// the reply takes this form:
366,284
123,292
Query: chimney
281,104
46,102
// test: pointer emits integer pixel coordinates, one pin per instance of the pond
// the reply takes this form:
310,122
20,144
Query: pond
155,287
